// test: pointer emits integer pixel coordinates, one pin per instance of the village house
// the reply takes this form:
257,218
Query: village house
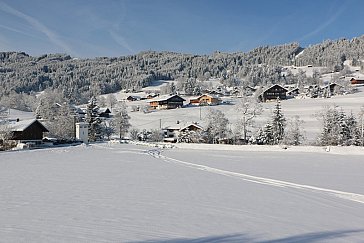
172,132
152,95
104,112
27,131
133,98
356,81
272,93
205,99
166,102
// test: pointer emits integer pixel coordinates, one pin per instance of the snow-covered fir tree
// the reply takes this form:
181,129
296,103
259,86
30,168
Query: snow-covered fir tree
93,120
338,128
264,136
294,134
278,123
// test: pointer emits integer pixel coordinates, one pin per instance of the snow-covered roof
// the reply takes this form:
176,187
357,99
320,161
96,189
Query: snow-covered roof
23,125
182,125
104,110
164,97
264,90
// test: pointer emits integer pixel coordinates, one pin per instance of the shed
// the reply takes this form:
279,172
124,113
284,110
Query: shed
133,98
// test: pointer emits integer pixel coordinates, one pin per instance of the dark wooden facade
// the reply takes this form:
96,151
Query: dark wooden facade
32,132
170,102
274,92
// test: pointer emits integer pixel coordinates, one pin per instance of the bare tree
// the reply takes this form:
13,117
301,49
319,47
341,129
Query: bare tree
121,121
248,109
5,133
217,126
111,100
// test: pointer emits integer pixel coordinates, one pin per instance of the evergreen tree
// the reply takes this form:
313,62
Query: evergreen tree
278,123
264,135
93,120
294,134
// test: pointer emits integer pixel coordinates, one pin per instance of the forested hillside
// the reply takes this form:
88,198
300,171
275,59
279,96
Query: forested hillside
79,79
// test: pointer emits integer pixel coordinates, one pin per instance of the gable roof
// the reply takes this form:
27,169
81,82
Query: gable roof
183,125
104,110
20,126
192,124
266,89
165,97
209,95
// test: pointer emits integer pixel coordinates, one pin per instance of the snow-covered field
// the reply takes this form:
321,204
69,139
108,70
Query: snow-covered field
129,193
307,109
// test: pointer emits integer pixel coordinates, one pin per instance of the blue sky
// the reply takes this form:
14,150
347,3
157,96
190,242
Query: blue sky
90,28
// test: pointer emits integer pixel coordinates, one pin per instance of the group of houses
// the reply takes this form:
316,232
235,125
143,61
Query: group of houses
31,132
263,94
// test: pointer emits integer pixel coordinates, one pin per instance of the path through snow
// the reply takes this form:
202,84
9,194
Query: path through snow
260,180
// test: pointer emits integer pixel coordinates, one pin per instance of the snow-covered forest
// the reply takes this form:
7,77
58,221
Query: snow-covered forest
80,79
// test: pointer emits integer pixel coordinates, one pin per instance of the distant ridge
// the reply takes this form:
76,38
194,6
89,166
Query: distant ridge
79,79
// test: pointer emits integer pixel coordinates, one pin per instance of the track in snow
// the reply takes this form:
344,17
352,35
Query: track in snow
260,180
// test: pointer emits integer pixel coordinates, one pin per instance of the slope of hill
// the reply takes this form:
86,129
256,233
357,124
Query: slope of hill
79,79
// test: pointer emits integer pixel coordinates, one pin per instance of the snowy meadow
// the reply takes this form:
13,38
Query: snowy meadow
192,193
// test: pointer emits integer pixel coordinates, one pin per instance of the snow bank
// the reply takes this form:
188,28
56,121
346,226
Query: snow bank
275,148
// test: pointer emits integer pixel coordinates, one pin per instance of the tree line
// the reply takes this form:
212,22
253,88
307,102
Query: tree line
21,75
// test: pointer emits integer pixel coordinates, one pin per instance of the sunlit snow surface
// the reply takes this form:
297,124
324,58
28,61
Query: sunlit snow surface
129,193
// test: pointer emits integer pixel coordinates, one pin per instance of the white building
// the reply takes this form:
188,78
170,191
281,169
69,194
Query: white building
82,131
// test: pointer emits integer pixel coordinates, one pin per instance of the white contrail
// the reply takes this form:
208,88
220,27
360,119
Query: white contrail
120,40
52,36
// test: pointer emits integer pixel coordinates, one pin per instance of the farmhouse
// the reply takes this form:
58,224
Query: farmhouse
205,99
172,132
167,102
28,131
356,81
274,92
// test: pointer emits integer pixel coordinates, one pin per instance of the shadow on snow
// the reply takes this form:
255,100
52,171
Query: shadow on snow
238,238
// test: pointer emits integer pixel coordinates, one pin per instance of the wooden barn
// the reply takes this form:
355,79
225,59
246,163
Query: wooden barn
272,93
167,102
104,112
333,88
28,131
205,99
133,98
356,81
